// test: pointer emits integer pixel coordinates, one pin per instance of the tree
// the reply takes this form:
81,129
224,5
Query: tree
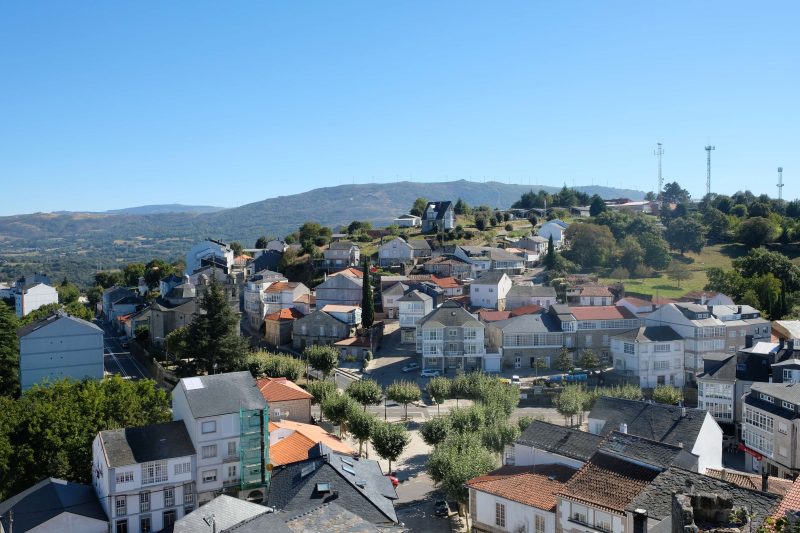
262,242
717,222
322,358
94,295
592,245
686,235
367,300
132,272
214,341
321,390
667,394
365,392
9,352
524,422
458,459
68,293
109,278
338,408
499,435
597,206
435,430
389,440
760,261
155,270
273,365
619,274
678,272
459,387
420,204
564,361
404,392
656,251
177,343
236,248
550,258
739,210
755,232
631,253
360,426
674,194
461,207
571,402
439,389
589,360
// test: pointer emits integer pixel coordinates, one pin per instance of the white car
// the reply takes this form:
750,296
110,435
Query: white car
410,366
429,373
516,381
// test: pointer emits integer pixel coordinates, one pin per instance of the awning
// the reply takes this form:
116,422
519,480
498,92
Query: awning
748,451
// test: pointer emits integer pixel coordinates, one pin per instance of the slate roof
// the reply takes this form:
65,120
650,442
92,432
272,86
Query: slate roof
293,487
650,334
492,277
397,288
341,245
415,296
571,443
541,291
281,390
220,394
657,499
658,454
532,323
52,319
450,314
724,370
48,499
419,244
329,517
128,446
783,391
440,208
227,510
534,486
653,421
271,522
608,482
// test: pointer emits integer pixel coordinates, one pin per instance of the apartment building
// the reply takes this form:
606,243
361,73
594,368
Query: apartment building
490,290
770,429
592,327
525,339
649,355
226,419
451,339
254,301
413,307
740,322
29,297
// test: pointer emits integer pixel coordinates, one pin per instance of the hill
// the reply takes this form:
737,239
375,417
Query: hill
163,208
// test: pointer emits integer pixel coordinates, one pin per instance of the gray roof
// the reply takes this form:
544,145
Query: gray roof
492,277
46,500
532,290
52,319
719,369
220,394
341,245
529,323
650,334
649,452
653,421
419,244
271,522
440,208
560,440
415,296
329,517
397,288
128,446
365,492
450,314
657,497
789,392
227,510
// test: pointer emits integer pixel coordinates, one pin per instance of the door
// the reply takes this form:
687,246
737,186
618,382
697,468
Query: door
518,362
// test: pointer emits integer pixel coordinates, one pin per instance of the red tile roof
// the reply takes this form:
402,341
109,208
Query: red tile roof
352,272
303,437
285,314
306,299
527,310
660,300
354,341
595,290
446,283
608,482
638,302
776,486
278,286
790,502
535,486
601,312
493,316
281,390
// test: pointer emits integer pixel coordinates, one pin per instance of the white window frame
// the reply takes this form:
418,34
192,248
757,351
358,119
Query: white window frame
209,426
209,476
210,451
499,514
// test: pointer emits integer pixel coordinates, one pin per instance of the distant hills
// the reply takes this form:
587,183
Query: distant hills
144,232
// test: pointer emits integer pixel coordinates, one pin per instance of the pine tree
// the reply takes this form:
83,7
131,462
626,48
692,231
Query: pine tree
367,300
9,352
550,258
213,335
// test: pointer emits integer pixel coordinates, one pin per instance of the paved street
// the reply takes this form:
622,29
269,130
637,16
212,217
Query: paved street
118,360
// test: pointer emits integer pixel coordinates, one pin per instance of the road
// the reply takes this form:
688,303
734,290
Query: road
117,359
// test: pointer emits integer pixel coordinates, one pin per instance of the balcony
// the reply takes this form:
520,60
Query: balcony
231,458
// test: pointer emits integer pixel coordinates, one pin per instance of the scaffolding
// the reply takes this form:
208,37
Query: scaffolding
253,448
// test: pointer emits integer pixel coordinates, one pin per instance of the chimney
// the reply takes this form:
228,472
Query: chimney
623,428
739,310
748,341
710,308
790,345
764,481
781,344
683,412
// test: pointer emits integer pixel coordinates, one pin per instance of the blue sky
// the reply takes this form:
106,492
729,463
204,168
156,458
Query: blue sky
112,104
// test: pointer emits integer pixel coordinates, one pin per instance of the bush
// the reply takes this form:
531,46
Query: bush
509,227
643,271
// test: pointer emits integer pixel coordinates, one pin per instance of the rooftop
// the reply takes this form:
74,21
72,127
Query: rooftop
491,277
776,485
130,446
52,319
450,314
571,443
650,452
534,486
336,308
281,390
601,312
650,334
541,291
446,283
527,310
220,394
227,511
290,313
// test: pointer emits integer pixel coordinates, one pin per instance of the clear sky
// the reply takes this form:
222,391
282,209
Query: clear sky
113,104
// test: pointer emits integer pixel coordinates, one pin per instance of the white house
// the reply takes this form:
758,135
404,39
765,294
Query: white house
342,254
490,290
209,252
59,346
413,306
349,314
653,355
399,251
527,295
254,304
30,297
554,228
543,443
144,477
226,418
438,215
407,221
339,289
452,339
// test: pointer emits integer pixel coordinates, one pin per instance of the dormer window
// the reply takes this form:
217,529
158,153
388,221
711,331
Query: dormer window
323,487
766,398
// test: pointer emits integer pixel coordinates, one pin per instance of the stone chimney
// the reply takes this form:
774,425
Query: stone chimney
748,341
764,481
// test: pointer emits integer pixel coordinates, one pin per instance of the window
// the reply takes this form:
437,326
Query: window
579,516
144,502
787,405
788,375
144,524
628,348
188,494
122,526
169,497
782,428
231,471
209,476
125,477
661,365
121,506
154,472
766,397
661,347
209,426
759,420
182,468
499,515
232,447
209,451
169,518
539,524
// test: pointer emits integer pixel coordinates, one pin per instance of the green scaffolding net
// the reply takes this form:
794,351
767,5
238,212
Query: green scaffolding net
254,448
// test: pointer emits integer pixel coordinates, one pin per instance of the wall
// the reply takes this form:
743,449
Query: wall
519,517
299,410
529,456
708,446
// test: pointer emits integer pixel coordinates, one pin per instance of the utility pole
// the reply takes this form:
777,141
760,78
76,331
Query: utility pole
780,183
708,167
659,152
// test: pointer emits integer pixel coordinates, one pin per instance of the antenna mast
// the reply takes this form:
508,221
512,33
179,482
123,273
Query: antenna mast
659,152
708,168
780,183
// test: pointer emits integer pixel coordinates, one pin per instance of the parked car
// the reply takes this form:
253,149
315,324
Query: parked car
410,367
441,508
516,381
393,479
429,373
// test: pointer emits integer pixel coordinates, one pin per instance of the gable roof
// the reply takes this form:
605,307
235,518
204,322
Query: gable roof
450,314
281,390
530,323
650,334
776,485
489,315
52,319
663,423
330,517
341,245
289,313
272,522
527,310
534,486
339,308
419,244
227,510
650,452
491,277
313,433
594,290
129,446
541,291
439,208
220,394
48,499
608,482
446,282
349,272
414,296
601,312
571,443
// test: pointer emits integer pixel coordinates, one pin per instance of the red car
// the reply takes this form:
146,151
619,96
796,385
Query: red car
393,479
